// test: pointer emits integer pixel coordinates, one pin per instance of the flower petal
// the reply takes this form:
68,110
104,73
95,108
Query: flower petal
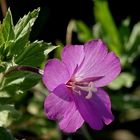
109,68
60,106
98,63
72,56
95,52
55,73
106,100
94,110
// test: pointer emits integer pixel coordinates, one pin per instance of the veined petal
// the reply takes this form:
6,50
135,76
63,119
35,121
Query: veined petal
110,68
60,106
95,110
106,101
55,73
98,63
95,52
72,56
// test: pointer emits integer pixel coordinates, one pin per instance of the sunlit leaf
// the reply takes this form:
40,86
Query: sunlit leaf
34,53
19,81
104,17
24,24
7,28
7,114
123,80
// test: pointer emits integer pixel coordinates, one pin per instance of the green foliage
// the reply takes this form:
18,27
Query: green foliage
124,80
104,17
84,33
17,50
125,102
7,29
6,134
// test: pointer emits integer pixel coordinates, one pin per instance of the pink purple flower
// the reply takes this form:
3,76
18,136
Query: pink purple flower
74,84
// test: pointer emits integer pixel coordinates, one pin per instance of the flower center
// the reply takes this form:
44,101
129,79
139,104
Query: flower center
77,87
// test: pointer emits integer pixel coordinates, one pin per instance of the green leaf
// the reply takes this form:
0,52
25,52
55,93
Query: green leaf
3,117
7,28
6,100
124,31
5,134
104,17
50,48
22,31
84,32
97,30
19,45
34,54
133,45
123,80
19,81
7,114
24,24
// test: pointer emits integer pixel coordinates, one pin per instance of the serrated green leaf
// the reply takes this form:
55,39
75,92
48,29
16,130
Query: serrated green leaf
5,134
24,24
34,54
104,17
50,48
7,27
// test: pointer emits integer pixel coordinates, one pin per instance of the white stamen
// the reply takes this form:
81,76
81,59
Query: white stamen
77,91
84,86
92,87
89,95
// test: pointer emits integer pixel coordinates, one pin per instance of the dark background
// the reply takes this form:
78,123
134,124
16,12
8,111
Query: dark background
55,15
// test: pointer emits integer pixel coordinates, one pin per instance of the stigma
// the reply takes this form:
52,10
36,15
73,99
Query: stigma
78,87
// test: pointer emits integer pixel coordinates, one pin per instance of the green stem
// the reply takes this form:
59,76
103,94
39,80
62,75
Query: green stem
85,133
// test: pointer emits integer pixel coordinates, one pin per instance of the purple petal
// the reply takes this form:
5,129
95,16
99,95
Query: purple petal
95,52
72,56
60,107
55,73
110,68
99,63
95,110
106,100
